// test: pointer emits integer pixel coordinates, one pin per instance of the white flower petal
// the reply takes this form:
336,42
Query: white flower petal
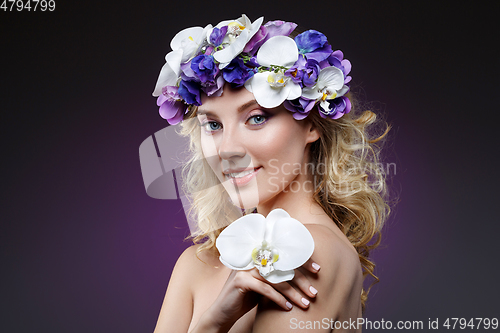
342,91
278,50
174,59
311,93
248,84
271,218
231,51
294,243
330,77
236,242
280,276
266,95
167,77
295,92
225,263
180,38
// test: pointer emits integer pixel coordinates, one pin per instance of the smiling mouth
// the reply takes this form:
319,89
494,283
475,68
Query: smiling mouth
241,178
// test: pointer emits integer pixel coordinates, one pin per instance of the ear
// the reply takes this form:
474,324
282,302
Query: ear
312,134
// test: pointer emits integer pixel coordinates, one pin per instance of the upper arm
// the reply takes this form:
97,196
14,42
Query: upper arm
339,284
177,308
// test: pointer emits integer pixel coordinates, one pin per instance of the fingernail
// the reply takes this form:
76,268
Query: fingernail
316,266
289,305
305,301
313,290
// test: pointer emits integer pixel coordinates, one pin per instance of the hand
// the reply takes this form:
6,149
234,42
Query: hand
242,292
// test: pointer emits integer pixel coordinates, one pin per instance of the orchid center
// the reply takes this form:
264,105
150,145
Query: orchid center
264,256
277,80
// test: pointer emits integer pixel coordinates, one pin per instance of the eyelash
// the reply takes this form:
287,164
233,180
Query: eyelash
211,122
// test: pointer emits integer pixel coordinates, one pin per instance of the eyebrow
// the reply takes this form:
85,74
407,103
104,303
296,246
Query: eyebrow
241,108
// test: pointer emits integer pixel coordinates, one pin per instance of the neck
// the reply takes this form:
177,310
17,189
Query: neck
296,199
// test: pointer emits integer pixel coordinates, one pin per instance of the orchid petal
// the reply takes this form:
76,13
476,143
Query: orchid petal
266,95
295,91
191,34
278,50
294,242
167,77
174,60
231,51
249,266
331,77
235,243
311,93
343,91
271,218
280,276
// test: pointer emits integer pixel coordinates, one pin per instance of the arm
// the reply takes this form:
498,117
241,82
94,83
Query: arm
339,288
177,308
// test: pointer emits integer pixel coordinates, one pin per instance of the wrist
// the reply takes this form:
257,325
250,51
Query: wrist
208,324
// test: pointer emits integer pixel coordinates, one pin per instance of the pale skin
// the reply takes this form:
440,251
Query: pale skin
205,296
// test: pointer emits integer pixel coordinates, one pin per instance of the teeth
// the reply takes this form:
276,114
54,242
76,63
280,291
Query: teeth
240,174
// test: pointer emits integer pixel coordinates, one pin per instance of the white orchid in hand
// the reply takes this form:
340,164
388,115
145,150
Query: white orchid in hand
275,245
272,87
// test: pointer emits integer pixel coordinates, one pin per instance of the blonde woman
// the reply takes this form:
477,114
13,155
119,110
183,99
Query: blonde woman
268,111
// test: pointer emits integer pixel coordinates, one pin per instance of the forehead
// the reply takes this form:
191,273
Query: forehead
231,98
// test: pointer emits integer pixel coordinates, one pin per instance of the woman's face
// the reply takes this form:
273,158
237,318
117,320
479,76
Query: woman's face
255,152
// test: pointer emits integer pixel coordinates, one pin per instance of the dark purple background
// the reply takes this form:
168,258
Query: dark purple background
84,249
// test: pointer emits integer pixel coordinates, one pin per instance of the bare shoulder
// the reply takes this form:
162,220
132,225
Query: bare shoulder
177,307
193,265
335,254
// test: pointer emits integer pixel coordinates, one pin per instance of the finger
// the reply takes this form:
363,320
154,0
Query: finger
303,284
247,281
311,266
292,294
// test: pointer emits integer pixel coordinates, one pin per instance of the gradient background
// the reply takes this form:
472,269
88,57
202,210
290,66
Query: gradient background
84,249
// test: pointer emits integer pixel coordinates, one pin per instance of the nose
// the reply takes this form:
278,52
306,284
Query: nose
231,146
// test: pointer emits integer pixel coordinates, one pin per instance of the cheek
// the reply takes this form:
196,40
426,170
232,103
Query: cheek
209,149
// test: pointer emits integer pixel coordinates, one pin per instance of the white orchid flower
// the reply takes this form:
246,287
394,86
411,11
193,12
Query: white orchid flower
185,45
239,32
275,245
271,88
330,85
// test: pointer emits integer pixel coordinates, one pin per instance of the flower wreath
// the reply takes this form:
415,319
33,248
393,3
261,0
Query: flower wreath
301,73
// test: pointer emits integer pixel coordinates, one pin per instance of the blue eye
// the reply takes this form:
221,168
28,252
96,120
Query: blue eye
212,126
257,120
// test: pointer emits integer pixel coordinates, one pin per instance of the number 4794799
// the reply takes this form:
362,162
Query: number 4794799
28,5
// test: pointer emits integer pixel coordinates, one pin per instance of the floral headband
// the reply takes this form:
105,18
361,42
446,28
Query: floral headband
301,73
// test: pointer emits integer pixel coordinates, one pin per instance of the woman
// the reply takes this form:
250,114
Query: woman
267,111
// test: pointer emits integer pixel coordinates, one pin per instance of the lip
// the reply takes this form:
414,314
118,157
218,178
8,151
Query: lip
241,181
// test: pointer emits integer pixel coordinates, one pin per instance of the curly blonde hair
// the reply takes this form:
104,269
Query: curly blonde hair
351,189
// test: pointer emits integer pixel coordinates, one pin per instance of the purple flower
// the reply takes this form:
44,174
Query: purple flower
237,73
217,35
335,108
296,72
314,45
266,31
256,41
337,59
190,92
204,68
300,107
279,28
214,89
172,108
304,72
